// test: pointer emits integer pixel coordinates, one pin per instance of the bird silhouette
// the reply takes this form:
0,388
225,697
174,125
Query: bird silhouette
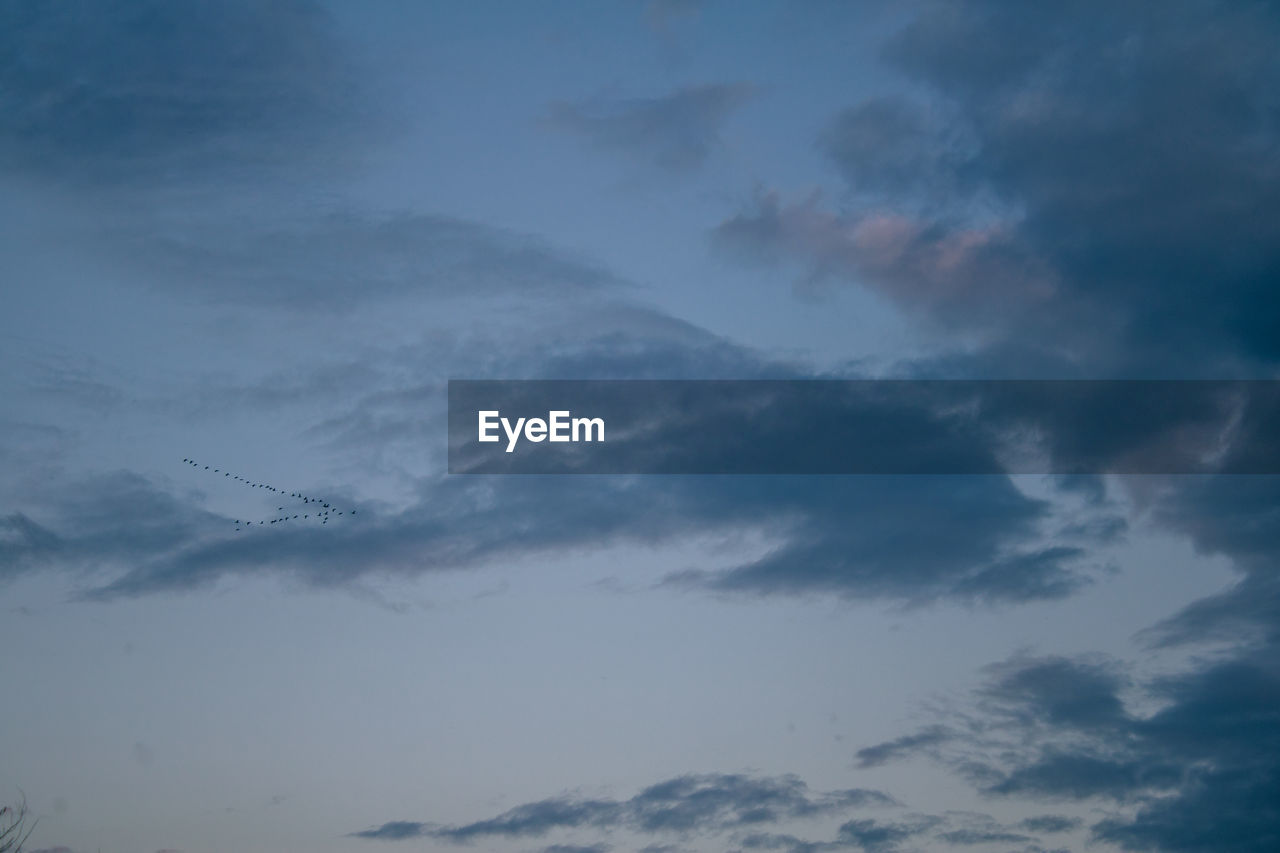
323,516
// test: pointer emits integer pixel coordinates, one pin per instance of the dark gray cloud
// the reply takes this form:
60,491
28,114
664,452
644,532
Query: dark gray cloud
961,830
1095,183
880,836
956,530
1235,517
916,539
1198,773
1071,775
867,834
1247,611
1226,811
1059,692
902,747
782,841
395,830
982,836
534,820
1050,823
709,803
110,90
727,801
676,132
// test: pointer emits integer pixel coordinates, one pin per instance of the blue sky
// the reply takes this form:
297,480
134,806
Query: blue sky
264,236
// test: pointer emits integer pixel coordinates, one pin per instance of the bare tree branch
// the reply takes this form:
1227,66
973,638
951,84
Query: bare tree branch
14,829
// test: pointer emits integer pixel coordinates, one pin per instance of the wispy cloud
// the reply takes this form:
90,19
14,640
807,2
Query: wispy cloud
686,804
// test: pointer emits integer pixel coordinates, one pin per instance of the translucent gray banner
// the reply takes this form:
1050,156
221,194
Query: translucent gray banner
863,427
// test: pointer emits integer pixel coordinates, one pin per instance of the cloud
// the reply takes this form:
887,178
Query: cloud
691,802
1192,772
1057,691
677,132
1228,515
879,836
901,747
24,545
909,539
1050,823
1235,517
1085,193
696,804
964,278
1196,774
916,538
1248,611
867,834
1100,185
535,819
981,836
112,90
395,830
115,520
957,529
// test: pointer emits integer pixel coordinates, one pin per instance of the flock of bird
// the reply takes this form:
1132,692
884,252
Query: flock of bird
318,509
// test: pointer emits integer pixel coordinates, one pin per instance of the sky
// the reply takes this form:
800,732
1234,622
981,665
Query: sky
264,236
